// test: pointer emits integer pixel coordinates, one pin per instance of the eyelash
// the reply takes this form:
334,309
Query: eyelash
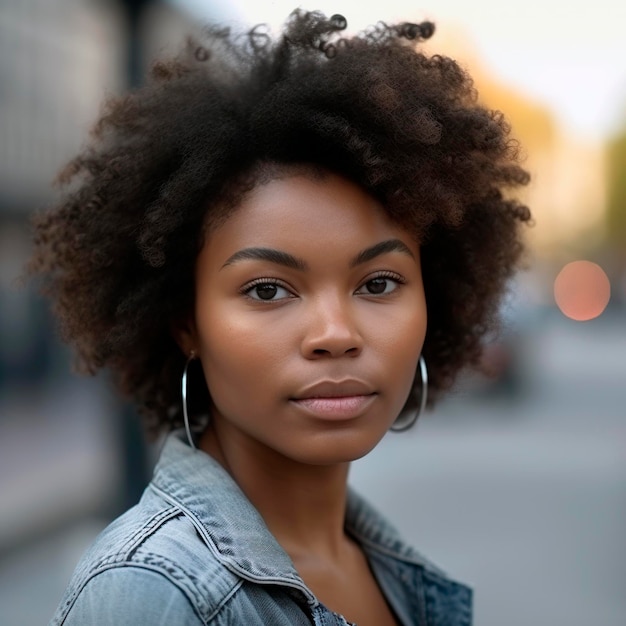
385,274
248,287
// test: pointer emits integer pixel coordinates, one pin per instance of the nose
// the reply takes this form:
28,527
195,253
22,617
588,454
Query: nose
331,330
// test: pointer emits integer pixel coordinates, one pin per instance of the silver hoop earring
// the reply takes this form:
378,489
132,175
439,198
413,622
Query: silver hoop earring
413,409
192,356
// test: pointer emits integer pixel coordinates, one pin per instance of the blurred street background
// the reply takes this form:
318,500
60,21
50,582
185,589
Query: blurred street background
516,483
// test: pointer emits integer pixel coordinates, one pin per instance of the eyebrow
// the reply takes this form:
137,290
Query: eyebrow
268,254
288,260
384,247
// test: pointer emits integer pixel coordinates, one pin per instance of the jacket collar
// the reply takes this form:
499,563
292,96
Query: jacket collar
225,519
235,531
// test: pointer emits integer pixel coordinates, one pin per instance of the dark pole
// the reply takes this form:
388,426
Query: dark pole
136,467
135,11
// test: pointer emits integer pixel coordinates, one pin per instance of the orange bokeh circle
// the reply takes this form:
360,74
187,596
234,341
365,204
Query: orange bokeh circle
582,290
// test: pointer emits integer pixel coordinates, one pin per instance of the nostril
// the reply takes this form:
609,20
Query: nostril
324,352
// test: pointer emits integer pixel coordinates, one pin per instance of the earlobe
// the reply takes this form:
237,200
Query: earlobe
184,333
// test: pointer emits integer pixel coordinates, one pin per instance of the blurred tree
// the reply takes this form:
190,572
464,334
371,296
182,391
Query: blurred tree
616,193
532,123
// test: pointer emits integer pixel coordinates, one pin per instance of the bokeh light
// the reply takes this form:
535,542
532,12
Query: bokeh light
582,290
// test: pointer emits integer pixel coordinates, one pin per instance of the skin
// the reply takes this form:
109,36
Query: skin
309,353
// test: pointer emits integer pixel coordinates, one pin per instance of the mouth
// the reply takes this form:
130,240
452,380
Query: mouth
345,407
339,400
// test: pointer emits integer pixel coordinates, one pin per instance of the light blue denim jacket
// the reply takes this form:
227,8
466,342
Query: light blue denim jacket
195,551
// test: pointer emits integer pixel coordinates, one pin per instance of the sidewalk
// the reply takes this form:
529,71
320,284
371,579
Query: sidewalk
33,579
58,459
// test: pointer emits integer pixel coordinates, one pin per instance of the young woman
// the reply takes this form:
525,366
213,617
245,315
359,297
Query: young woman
281,249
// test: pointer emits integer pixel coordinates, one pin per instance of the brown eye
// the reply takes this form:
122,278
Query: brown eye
376,285
266,291
381,285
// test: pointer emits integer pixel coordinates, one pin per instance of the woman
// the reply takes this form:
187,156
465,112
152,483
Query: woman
281,249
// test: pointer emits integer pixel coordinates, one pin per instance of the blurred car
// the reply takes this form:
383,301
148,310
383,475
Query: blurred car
504,369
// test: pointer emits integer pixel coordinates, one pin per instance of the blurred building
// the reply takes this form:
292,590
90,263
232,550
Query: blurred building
58,60
54,63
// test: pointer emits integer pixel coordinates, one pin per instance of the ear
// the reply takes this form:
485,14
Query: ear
185,335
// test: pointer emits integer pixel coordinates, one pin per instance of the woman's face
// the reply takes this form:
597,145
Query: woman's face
309,320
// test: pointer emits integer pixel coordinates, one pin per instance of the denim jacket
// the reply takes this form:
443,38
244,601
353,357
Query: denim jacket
194,551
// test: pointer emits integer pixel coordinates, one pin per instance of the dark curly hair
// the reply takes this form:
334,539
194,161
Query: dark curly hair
117,252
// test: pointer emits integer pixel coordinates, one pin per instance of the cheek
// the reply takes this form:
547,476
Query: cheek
400,341
401,329
234,351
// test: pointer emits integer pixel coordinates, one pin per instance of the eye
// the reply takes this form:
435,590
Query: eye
266,291
380,285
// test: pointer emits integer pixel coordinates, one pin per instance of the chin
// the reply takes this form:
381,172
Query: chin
335,450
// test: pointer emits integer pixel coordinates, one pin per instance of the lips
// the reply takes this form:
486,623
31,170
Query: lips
335,389
336,400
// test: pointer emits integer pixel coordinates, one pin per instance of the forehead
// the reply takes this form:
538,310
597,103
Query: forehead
300,202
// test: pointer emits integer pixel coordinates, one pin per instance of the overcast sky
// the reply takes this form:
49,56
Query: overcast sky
569,55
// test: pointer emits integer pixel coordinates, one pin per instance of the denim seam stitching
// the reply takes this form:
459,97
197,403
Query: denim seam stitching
233,566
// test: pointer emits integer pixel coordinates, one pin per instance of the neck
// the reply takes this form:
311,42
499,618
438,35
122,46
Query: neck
302,505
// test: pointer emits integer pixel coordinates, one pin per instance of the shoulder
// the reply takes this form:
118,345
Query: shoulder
129,595
151,559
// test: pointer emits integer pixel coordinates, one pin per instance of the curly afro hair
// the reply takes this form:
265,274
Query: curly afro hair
117,252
